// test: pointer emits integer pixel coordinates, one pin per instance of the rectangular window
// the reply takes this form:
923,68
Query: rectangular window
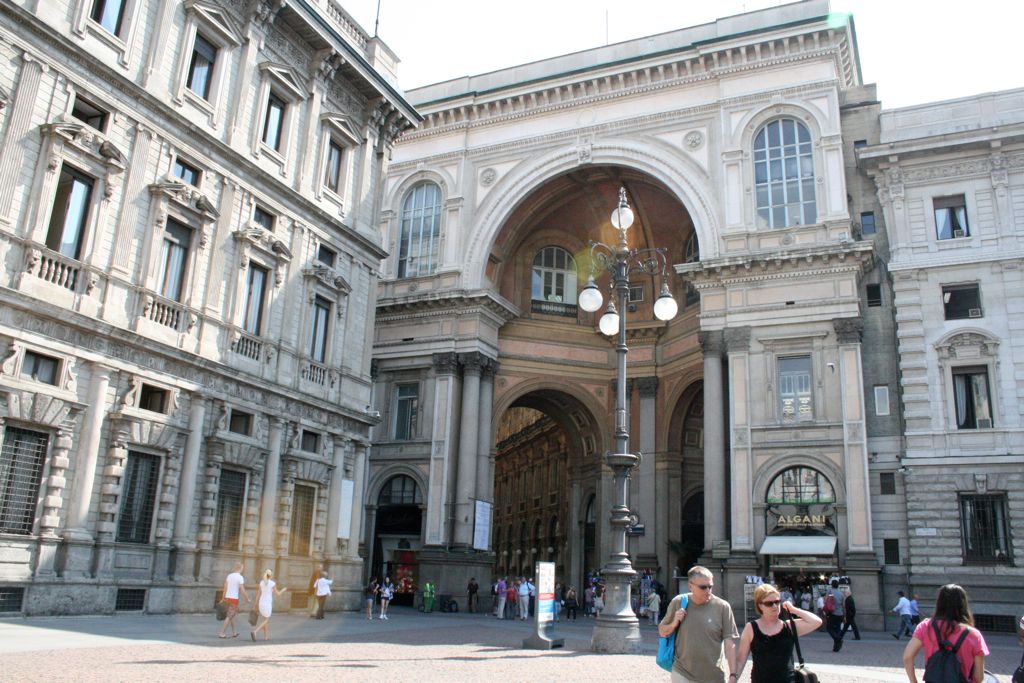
887,483
263,218
857,144
240,422
227,534
950,217
188,173
89,114
318,330
636,293
971,398
332,172
70,214
153,398
795,388
173,260
301,531
257,285
200,69
326,256
310,441
985,527
40,368
109,14
138,498
892,550
874,295
881,399
407,405
21,470
867,223
961,301
273,124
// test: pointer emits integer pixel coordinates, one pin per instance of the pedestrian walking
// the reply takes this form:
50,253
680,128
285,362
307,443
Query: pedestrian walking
588,601
387,591
323,591
369,595
265,601
234,590
598,599
512,600
902,608
572,603
915,612
533,596
471,591
653,606
770,639
705,651
559,600
311,601
952,623
501,593
834,614
524,599
850,616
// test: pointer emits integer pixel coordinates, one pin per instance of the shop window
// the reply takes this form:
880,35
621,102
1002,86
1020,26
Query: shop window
227,533
961,301
985,528
138,498
951,217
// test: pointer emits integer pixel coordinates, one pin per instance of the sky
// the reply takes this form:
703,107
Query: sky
916,51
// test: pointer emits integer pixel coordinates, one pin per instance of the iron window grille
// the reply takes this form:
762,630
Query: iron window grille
227,533
138,498
985,527
130,600
303,501
21,471
11,598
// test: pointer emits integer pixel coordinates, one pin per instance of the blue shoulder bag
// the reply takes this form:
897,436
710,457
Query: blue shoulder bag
667,644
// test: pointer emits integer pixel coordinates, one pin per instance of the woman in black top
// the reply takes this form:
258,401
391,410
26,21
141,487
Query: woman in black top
770,638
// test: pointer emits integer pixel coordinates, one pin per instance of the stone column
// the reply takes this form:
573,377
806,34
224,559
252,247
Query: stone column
741,513
358,498
184,538
465,486
334,497
19,120
855,452
484,471
49,521
646,498
435,518
712,344
271,482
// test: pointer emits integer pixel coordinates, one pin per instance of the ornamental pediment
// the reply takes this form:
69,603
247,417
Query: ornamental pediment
259,237
328,278
968,345
216,20
185,196
86,140
286,77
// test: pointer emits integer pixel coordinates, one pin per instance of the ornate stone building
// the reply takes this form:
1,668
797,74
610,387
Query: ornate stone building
950,181
751,409
187,229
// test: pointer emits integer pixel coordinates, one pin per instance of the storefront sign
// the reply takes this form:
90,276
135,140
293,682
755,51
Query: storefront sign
810,518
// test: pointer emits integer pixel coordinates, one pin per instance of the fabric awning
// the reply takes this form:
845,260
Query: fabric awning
798,545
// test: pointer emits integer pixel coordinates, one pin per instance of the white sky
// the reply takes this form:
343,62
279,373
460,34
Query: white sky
915,50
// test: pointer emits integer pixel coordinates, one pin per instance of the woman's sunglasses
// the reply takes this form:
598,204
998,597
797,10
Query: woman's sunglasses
771,603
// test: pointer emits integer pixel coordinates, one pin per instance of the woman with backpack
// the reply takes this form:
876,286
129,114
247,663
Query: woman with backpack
961,656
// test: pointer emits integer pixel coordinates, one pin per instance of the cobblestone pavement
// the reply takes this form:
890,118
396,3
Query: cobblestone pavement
410,646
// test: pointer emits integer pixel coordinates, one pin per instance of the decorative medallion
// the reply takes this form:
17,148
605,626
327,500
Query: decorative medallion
488,176
694,139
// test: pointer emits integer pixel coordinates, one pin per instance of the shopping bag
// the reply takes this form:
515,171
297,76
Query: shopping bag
667,644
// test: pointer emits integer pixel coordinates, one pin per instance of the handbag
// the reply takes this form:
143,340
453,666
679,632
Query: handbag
220,610
1018,674
254,616
800,674
667,644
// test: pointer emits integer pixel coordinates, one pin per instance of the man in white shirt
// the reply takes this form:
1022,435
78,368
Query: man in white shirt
906,616
524,599
323,591
234,585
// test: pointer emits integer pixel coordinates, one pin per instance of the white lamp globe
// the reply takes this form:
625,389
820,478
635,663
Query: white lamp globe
622,216
590,298
609,322
665,308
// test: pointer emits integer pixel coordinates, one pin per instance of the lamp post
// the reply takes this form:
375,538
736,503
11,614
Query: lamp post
617,629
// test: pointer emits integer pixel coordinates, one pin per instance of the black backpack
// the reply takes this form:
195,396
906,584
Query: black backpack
944,666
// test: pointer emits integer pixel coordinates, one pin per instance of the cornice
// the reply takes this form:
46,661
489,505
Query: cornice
779,265
441,304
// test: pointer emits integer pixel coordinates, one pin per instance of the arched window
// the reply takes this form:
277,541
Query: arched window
691,254
400,490
784,175
421,229
554,277
800,486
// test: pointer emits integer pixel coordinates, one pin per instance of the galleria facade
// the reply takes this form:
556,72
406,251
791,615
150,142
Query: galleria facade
258,304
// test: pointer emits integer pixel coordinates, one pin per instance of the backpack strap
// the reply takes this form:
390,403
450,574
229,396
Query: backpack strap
947,645
796,639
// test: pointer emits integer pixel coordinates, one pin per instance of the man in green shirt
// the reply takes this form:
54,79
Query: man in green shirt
705,629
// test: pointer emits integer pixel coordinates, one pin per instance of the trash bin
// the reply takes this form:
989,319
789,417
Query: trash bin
428,597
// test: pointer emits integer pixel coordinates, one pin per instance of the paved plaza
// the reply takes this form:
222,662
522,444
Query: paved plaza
411,646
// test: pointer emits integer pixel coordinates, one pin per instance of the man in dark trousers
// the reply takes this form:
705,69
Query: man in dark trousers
850,617
471,590
834,614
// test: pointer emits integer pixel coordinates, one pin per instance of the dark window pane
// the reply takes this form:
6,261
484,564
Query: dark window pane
303,500
867,223
985,528
887,483
318,333
138,498
187,172
332,173
240,423
109,14
274,123
325,256
263,218
961,301
152,398
892,550
874,295
200,70
70,213
971,398
257,283
40,368
230,501
406,411
89,114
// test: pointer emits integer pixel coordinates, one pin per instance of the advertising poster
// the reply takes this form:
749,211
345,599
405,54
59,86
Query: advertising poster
545,591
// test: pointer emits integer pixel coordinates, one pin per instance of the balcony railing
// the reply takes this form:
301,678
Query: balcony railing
315,373
558,308
249,346
168,313
58,269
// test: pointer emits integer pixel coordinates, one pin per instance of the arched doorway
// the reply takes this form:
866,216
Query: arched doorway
397,535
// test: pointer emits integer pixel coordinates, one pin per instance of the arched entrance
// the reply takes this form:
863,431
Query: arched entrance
396,538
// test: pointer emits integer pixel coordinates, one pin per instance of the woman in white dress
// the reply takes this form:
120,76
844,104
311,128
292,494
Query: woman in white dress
268,589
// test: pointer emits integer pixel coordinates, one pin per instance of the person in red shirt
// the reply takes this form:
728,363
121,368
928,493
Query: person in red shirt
952,616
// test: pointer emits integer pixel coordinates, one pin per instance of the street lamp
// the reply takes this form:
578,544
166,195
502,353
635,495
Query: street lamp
617,628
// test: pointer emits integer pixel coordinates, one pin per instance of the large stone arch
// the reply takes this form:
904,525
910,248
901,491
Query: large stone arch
520,182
